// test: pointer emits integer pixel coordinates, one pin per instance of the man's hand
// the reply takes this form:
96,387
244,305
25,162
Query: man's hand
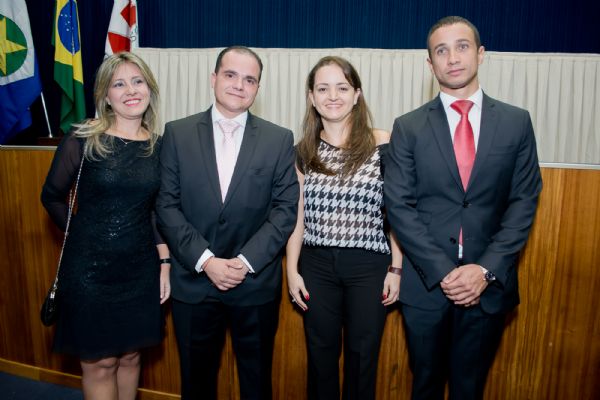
239,266
464,285
225,274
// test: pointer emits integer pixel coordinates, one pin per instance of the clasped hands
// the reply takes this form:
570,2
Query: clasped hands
464,285
225,273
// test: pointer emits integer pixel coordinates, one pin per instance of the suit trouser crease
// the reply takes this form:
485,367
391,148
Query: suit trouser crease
454,344
200,331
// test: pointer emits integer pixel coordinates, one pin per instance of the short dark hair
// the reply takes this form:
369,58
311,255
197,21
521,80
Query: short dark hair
451,20
239,49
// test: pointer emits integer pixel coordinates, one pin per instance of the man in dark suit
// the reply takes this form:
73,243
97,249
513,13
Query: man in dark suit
227,205
461,190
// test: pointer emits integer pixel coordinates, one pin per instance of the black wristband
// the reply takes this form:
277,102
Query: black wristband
165,260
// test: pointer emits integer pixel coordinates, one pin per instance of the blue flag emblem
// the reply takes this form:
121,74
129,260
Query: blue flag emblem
20,82
68,27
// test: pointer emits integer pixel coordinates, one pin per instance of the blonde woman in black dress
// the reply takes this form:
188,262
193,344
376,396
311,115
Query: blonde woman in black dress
115,269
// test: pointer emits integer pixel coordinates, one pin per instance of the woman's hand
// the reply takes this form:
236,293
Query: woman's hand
165,282
297,290
391,289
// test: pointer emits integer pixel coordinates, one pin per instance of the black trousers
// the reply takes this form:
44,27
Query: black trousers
454,344
345,287
200,331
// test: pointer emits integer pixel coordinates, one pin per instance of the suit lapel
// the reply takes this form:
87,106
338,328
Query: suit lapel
441,132
207,150
487,130
245,155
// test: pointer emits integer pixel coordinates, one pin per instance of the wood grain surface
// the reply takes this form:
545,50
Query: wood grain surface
550,349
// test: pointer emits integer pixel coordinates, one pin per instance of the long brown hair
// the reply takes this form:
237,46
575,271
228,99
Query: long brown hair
360,143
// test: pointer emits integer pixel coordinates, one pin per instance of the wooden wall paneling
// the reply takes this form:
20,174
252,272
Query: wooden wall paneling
30,249
289,358
548,345
161,363
14,289
9,300
550,349
578,288
41,242
518,363
394,379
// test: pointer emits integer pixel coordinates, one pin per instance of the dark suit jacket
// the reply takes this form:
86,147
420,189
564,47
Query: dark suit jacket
427,205
256,219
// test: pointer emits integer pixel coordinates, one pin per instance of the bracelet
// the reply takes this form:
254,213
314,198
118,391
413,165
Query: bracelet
395,270
165,260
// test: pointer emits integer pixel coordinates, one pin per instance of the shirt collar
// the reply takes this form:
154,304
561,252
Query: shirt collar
476,98
240,118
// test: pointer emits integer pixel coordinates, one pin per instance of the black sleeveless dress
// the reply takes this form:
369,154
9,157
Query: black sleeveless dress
109,279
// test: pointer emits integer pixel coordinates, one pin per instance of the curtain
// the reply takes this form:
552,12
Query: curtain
561,91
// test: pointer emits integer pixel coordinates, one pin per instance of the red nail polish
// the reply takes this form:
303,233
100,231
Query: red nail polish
307,297
384,296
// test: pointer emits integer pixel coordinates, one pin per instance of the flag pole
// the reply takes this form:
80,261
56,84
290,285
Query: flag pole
46,114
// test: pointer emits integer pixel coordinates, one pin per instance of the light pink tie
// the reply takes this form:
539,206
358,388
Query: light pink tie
226,159
464,145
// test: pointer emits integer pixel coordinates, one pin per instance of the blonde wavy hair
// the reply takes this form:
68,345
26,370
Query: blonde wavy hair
99,145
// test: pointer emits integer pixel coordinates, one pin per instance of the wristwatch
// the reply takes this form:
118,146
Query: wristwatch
488,276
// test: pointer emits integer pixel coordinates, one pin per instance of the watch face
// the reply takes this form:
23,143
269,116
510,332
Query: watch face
490,277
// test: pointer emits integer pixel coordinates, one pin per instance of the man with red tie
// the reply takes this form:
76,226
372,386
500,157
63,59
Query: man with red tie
226,207
461,187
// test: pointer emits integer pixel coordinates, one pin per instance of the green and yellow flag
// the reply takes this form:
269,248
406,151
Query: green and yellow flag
68,72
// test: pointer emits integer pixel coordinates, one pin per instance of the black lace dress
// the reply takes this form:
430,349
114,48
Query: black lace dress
109,278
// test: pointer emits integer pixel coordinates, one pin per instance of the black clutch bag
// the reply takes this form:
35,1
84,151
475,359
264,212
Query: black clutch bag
49,311
50,308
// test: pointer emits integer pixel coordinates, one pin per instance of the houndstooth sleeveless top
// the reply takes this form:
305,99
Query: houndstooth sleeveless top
345,212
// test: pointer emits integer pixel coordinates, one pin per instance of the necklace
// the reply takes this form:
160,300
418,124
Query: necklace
124,141
123,136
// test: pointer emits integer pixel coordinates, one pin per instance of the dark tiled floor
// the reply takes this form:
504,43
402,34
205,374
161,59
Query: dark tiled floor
17,388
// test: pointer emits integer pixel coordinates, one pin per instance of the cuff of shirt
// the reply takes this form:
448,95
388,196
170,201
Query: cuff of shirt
241,257
205,256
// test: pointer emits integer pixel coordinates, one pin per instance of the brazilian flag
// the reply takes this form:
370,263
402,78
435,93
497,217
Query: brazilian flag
68,71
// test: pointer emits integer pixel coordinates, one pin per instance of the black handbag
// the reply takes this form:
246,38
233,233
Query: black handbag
50,307
49,311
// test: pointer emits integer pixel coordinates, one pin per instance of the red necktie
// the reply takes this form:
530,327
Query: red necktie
464,146
464,142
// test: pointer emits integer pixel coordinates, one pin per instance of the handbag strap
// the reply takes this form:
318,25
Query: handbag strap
72,197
